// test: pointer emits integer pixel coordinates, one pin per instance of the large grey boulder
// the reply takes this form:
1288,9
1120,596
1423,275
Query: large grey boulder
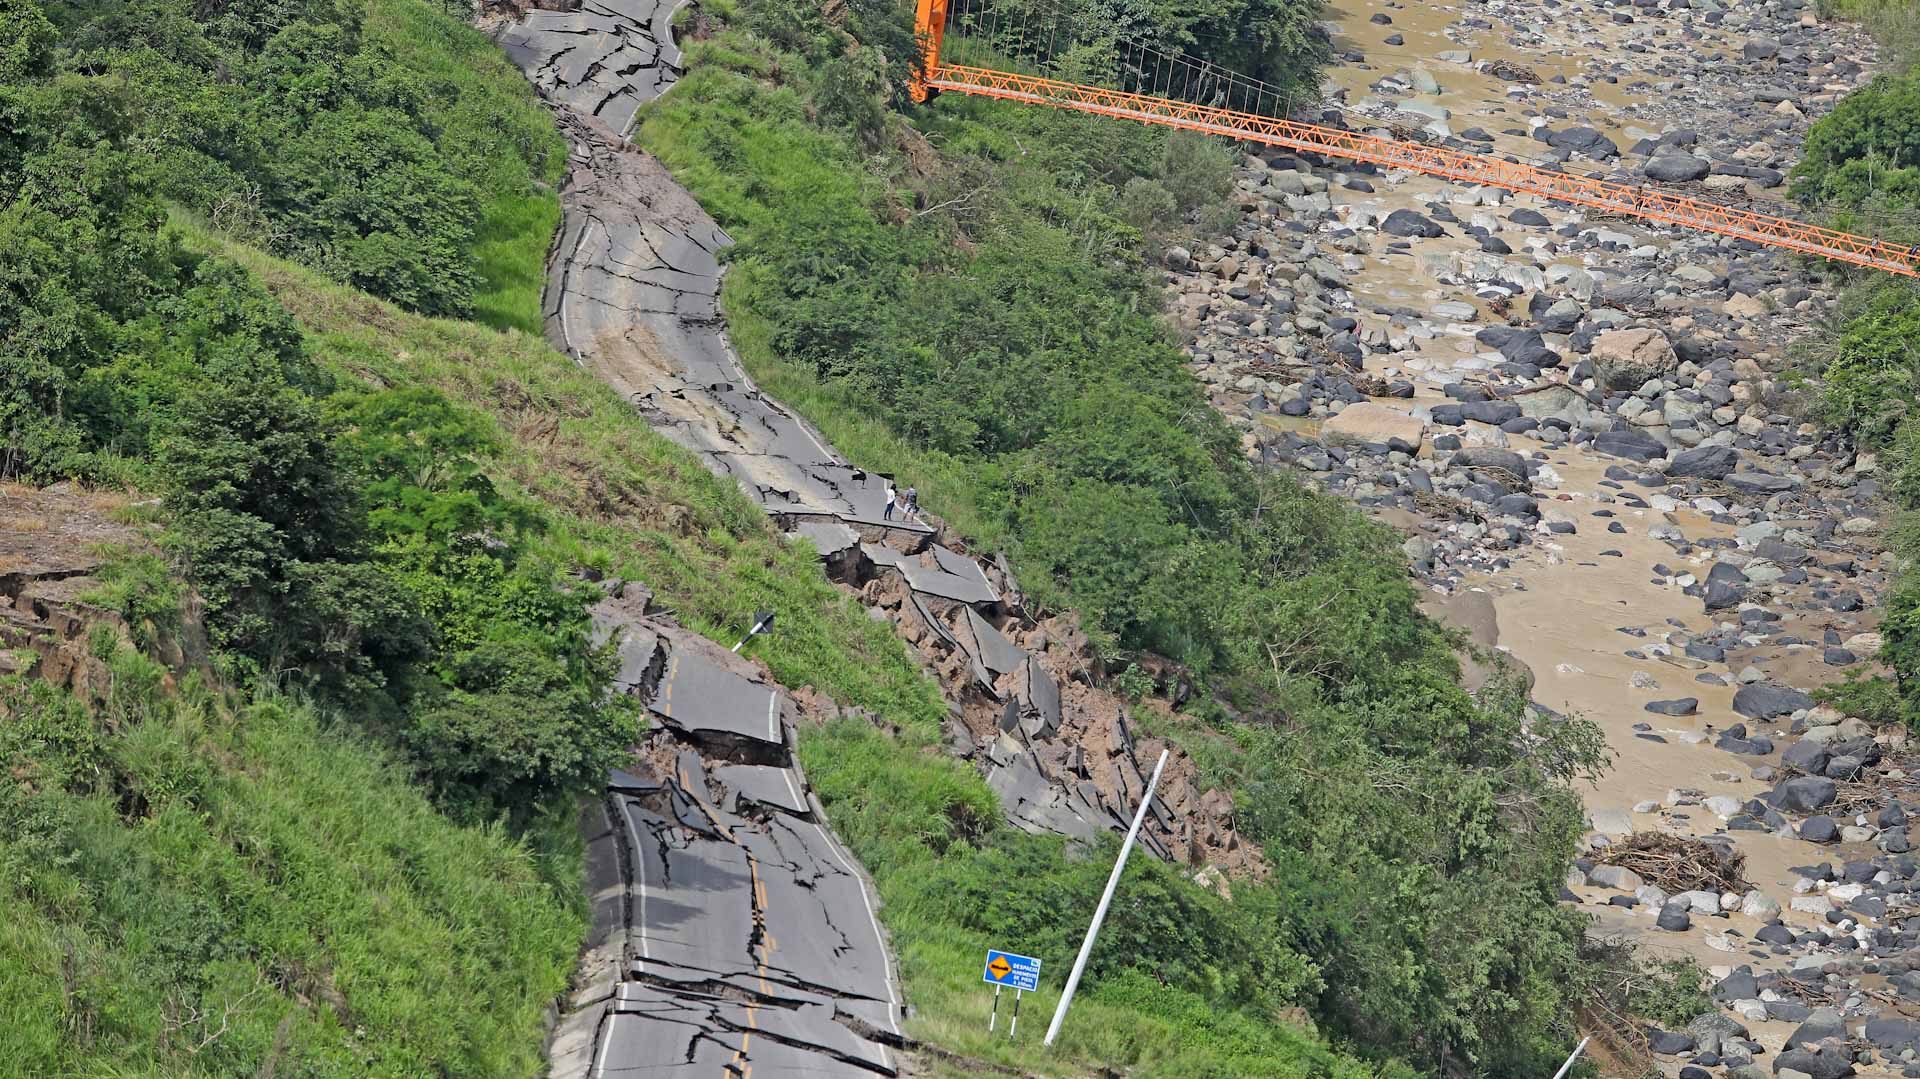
1407,223
1676,168
1762,700
1705,462
1490,457
1584,140
1806,794
1893,1033
1632,445
1817,1065
1806,756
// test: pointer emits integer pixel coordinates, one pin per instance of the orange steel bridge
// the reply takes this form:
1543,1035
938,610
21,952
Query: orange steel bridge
1651,203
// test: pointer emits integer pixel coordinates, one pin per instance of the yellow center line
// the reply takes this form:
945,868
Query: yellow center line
767,944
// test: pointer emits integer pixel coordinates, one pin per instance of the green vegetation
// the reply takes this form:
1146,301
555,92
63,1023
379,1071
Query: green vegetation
197,891
384,142
1862,168
346,541
1895,25
959,295
372,869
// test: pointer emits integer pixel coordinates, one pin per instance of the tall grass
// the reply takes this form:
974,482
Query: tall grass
195,890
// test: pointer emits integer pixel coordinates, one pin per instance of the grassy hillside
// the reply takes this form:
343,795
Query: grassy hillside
628,502
192,888
384,142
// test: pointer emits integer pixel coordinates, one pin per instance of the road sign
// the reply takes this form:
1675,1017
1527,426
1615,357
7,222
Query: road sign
1013,971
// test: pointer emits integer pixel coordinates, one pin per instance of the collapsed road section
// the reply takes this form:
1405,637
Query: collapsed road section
633,295
731,931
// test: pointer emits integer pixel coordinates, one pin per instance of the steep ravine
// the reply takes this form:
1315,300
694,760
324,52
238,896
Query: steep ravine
1576,421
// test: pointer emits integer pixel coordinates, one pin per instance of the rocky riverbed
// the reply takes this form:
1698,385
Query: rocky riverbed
1579,424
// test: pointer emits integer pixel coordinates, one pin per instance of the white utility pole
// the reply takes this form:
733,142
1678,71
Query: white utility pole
1100,913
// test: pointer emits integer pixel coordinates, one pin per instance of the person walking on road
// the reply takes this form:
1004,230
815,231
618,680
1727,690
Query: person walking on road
913,503
892,497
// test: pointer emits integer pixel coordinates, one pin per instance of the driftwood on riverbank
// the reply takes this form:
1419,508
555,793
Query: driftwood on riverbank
1678,863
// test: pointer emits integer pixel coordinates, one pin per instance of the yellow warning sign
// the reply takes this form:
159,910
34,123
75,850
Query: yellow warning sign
1000,967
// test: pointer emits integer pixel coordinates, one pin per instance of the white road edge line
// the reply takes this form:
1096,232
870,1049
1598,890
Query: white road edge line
566,335
799,799
773,718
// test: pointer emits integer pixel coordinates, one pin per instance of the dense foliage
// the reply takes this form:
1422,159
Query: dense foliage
385,144
959,293
1862,168
345,541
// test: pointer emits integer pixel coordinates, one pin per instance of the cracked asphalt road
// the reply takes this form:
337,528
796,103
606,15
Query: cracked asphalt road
751,906
633,295
731,932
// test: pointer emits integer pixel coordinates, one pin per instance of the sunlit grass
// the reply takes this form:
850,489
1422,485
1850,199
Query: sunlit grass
510,252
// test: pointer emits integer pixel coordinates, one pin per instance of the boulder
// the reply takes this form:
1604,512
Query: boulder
1893,1033
1366,422
1407,223
1617,877
1815,1065
1807,756
1529,347
1584,140
1705,462
1632,445
1819,830
1806,794
1676,168
1669,1042
1549,401
1761,700
1627,358
1490,457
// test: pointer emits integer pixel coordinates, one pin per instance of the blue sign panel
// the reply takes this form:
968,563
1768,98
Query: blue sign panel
1013,971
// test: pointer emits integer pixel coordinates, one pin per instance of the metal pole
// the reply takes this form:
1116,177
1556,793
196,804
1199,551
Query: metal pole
764,620
1100,912
1014,1027
994,1015
1568,1066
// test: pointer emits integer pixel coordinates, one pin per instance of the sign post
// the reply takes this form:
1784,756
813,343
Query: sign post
1022,972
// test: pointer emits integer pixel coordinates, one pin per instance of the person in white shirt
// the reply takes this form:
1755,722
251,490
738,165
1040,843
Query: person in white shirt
892,497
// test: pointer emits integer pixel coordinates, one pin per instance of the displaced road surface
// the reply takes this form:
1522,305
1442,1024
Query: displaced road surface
730,929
